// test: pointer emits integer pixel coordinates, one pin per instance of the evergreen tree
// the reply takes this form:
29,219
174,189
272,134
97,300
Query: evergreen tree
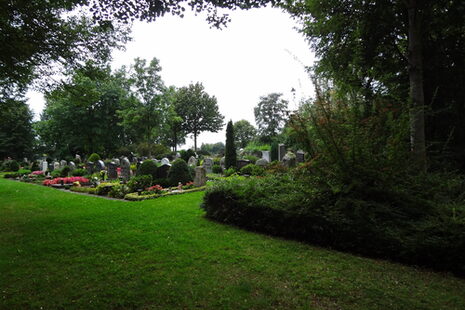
230,153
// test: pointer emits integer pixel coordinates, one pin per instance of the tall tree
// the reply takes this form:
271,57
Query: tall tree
270,115
198,110
16,134
230,157
244,132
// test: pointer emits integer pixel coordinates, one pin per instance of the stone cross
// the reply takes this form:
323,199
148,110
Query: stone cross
200,178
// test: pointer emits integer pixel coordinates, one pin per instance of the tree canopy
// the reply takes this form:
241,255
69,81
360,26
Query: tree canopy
270,115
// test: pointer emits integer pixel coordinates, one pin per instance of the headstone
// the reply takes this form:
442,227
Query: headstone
165,161
289,159
222,160
25,160
134,160
192,161
208,164
266,155
178,155
56,165
44,166
258,154
130,157
72,165
200,178
50,166
261,162
112,172
90,167
281,152
162,171
117,162
125,169
242,163
300,157
63,163
99,165
77,158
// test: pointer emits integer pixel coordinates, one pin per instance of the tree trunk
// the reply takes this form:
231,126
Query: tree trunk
195,141
417,100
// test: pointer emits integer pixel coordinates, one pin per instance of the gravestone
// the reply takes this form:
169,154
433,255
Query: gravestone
300,157
208,164
99,165
56,165
165,161
44,166
162,171
242,163
266,156
192,161
112,172
63,163
125,169
261,162
130,157
200,178
77,158
281,151
72,165
90,167
178,155
258,154
289,159
117,162
222,160
50,166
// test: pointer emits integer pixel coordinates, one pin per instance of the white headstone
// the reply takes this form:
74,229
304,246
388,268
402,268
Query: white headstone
165,161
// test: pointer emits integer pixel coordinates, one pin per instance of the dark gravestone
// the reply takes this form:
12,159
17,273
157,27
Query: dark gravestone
300,157
200,178
125,169
90,167
242,163
99,165
281,151
112,172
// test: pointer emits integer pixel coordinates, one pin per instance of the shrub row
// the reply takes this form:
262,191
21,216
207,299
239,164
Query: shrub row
365,219
137,197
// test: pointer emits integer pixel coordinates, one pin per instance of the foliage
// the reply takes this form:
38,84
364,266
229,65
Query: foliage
244,132
18,174
94,157
274,153
270,116
10,165
230,159
68,180
16,133
136,197
103,189
155,150
252,169
229,172
386,222
214,148
64,172
119,191
251,158
217,169
179,172
198,111
85,190
78,172
148,167
139,183
254,146
186,154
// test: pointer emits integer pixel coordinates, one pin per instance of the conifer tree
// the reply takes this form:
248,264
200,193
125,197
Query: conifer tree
230,152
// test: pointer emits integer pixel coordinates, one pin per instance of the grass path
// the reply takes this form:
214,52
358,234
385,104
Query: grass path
65,251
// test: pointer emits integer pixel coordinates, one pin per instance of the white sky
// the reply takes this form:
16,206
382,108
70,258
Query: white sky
258,53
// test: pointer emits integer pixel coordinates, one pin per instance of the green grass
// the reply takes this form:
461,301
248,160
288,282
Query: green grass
62,250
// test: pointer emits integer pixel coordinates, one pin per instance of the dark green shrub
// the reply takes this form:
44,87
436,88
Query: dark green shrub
103,189
187,154
140,183
10,165
94,157
217,169
252,158
148,167
179,172
35,166
229,172
230,159
119,191
65,171
78,172
274,151
252,169
55,173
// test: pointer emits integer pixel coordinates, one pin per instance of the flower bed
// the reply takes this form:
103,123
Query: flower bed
137,197
68,180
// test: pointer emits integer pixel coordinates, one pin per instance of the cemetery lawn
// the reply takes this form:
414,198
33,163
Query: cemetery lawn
62,250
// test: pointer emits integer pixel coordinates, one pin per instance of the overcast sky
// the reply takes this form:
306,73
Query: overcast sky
260,52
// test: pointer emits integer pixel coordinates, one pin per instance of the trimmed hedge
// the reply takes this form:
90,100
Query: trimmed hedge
86,190
383,223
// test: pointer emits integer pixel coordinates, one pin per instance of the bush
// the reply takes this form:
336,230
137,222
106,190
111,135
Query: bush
55,173
86,190
10,165
103,189
187,154
229,172
179,172
140,182
274,151
365,218
252,158
35,166
65,171
119,191
79,172
148,167
252,169
94,157
217,169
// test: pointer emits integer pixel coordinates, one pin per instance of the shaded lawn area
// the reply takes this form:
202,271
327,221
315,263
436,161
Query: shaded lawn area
61,250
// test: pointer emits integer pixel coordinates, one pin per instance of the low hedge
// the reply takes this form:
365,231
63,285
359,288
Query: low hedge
372,221
137,197
81,189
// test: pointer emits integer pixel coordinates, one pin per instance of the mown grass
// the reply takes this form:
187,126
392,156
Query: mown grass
62,250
